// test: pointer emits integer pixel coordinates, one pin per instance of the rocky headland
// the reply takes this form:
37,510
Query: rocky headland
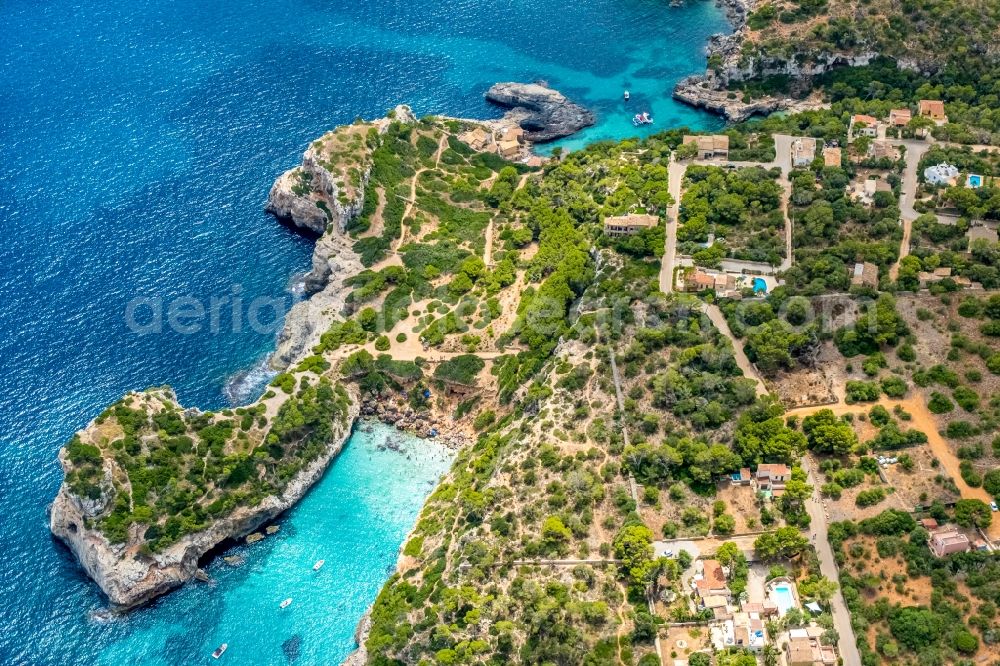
732,63
129,572
546,114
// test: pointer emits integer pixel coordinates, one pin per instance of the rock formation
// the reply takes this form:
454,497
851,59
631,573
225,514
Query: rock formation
548,114
127,574
333,258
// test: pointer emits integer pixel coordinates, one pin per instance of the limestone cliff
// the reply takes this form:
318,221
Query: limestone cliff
128,572
296,198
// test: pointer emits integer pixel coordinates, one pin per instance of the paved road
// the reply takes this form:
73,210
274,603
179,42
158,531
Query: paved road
675,175
846,643
915,150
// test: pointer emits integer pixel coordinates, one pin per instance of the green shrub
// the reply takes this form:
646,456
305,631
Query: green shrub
939,403
858,391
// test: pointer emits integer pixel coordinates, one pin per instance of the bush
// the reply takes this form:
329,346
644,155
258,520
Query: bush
894,387
939,403
382,343
966,398
862,392
870,497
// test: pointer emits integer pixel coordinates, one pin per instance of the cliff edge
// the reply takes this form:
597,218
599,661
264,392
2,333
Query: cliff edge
137,513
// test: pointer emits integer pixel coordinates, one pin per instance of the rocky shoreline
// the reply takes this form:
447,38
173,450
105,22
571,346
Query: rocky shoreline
710,90
545,114
131,578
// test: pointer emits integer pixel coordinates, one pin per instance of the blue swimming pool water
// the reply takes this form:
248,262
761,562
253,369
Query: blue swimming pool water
783,598
759,285
139,141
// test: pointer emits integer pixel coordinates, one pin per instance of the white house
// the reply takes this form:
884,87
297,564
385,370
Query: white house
941,174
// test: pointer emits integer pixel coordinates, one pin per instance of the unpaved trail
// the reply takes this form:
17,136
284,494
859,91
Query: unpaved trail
749,371
488,250
921,420
904,248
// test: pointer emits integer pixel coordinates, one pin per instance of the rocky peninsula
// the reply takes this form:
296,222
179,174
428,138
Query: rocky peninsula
116,519
547,114
151,487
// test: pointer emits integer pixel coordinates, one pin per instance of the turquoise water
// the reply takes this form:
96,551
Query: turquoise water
355,519
139,141
783,598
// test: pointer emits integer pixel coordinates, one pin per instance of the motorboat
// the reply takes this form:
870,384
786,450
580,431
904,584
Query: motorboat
319,565
286,603
626,95
219,650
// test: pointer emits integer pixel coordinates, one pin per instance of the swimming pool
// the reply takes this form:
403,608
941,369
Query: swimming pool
759,285
975,180
783,598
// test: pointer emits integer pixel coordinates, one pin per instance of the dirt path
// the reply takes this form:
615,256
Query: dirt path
904,248
749,371
412,201
378,217
921,420
488,250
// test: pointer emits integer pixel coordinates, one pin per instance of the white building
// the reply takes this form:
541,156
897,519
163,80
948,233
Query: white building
941,174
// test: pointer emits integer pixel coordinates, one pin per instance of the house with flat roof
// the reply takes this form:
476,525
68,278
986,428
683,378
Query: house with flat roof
803,151
831,156
900,117
862,125
508,148
928,278
771,477
749,632
808,651
865,191
514,133
946,541
628,225
933,109
983,233
883,150
941,174
865,274
709,146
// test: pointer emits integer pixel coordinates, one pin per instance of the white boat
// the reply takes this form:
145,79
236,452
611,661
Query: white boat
286,603
318,565
626,95
219,650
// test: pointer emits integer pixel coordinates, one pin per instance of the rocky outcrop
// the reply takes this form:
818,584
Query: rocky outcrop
131,577
548,114
333,260
309,197
732,64
402,417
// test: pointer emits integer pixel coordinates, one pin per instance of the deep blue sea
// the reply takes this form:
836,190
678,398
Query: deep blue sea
137,144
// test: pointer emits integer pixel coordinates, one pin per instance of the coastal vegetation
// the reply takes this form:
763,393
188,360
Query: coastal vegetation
163,473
